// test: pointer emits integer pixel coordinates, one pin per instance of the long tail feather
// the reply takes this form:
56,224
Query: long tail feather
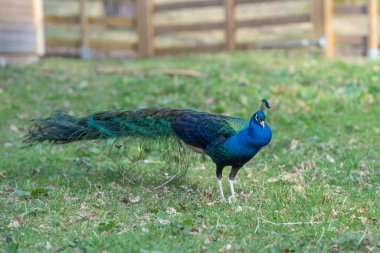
63,128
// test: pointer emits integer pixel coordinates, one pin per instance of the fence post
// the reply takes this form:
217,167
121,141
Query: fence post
84,47
328,12
373,39
230,24
317,18
39,27
145,12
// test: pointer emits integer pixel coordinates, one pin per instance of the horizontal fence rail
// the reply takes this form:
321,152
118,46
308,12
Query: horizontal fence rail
276,21
320,18
104,21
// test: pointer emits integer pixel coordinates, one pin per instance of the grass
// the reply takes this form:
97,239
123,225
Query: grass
322,166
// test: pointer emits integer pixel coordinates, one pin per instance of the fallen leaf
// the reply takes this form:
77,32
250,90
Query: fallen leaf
135,199
294,144
201,228
8,188
48,246
311,221
92,216
363,220
46,225
338,189
352,141
194,231
115,186
164,221
15,222
274,179
197,230
171,211
330,159
8,145
2,174
14,128
225,248
334,213
361,211
286,177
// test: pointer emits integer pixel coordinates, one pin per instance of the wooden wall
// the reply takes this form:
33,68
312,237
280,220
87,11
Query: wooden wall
21,29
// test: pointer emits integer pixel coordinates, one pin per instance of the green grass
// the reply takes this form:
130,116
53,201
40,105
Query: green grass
321,166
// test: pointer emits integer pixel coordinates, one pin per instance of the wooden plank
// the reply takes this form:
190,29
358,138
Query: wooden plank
164,29
16,5
16,2
149,26
191,49
357,40
187,5
20,47
106,21
328,10
52,42
230,24
206,3
246,46
15,37
15,28
373,40
4,12
112,45
317,18
238,2
274,21
145,27
39,27
25,20
112,21
350,9
56,19
141,29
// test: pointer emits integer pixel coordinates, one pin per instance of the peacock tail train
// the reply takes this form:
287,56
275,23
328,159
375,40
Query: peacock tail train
148,123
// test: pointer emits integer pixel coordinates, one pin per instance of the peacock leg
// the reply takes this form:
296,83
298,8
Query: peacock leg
219,170
231,180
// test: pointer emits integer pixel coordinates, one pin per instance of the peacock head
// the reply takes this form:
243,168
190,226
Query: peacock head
259,116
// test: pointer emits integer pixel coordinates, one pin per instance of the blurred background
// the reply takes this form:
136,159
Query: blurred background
143,28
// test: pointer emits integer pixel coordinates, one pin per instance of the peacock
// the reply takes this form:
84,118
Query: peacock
228,141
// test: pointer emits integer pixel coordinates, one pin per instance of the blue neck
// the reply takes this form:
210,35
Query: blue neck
249,140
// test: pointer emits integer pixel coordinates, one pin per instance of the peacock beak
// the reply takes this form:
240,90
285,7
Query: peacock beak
262,124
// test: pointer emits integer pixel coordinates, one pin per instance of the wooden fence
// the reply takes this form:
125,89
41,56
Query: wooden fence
21,31
370,41
85,21
320,17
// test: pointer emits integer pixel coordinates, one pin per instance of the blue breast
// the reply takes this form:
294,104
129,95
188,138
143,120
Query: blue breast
239,149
